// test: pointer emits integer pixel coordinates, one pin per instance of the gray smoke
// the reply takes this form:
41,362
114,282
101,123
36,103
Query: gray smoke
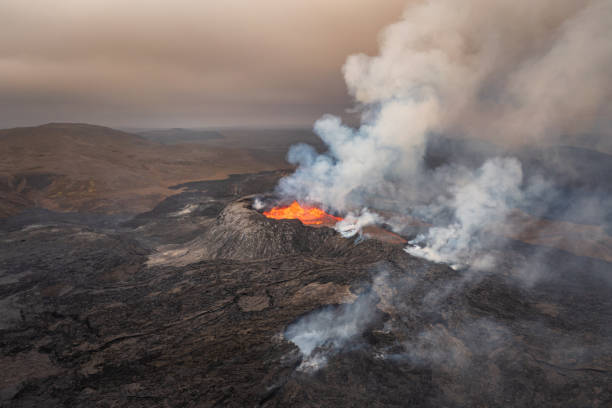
482,200
324,332
512,72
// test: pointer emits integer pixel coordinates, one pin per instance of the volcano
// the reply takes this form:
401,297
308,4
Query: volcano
204,301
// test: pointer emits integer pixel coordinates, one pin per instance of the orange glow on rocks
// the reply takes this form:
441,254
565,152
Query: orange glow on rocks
307,215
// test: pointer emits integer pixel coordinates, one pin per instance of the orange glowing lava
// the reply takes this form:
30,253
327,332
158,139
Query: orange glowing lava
307,215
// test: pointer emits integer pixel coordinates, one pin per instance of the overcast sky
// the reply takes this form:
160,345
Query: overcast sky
150,63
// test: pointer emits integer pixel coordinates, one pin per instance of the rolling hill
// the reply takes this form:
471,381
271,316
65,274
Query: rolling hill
81,167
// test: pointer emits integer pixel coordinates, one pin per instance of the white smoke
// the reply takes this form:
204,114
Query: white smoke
482,201
258,204
352,224
504,70
325,331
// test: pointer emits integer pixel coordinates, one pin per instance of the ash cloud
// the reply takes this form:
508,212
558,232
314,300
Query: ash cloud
512,73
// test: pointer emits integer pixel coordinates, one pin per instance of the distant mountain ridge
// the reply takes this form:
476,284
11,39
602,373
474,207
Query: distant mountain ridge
63,131
180,135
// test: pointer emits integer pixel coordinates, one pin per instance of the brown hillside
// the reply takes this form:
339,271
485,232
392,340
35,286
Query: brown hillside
80,167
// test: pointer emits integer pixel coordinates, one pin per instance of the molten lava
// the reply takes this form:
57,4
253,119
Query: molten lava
307,215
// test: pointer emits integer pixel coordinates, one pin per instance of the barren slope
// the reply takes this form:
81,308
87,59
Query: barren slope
83,167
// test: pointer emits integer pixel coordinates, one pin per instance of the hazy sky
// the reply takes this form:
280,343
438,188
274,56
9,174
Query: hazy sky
147,63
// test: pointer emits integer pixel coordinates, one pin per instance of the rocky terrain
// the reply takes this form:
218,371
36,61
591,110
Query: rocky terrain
203,301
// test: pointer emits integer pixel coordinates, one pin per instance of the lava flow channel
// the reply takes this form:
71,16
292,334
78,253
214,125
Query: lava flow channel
307,215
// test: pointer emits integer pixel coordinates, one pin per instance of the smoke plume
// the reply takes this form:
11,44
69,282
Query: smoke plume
513,73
